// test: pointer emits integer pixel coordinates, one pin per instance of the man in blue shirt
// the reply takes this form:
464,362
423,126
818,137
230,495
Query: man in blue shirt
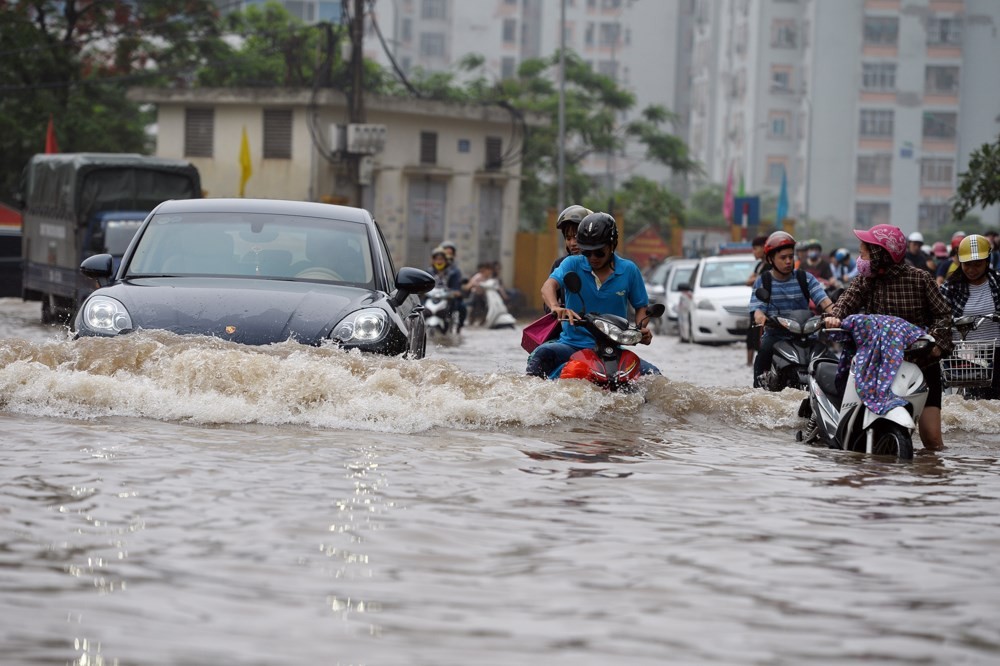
788,288
610,285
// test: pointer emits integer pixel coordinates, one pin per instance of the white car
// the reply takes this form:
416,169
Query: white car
679,273
715,306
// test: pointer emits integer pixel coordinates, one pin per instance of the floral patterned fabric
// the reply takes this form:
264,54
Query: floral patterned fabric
881,341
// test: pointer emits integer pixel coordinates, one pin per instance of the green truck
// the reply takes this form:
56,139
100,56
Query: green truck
75,205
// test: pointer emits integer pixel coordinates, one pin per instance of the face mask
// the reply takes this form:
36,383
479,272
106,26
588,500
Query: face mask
864,267
814,255
440,265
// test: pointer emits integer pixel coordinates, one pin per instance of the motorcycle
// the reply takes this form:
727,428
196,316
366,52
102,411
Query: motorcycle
840,419
497,315
606,364
969,370
440,315
791,356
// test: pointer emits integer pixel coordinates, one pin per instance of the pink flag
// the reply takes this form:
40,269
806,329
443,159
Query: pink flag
727,201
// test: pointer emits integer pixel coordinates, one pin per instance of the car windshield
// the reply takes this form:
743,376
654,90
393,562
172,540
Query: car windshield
726,273
254,245
681,275
659,274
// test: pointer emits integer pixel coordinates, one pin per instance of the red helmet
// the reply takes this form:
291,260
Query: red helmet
887,237
776,241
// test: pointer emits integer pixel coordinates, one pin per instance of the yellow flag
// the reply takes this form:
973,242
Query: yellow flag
246,166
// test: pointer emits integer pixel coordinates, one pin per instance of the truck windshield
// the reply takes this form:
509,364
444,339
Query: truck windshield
118,234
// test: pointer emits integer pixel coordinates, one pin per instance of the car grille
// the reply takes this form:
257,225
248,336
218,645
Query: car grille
737,310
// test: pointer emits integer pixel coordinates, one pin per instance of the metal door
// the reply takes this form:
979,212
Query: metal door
425,212
490,221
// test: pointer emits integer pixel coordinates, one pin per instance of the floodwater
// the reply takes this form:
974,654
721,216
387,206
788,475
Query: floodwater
188,501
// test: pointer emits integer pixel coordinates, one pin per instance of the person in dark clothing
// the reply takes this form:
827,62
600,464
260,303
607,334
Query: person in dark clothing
753,333
567,223
915,256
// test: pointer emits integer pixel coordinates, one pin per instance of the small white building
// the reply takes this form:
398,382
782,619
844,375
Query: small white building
445,172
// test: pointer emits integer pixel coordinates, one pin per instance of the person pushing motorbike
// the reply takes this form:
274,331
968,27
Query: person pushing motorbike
790,289
609,285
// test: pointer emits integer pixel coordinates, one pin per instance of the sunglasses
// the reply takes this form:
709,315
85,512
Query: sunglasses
600,254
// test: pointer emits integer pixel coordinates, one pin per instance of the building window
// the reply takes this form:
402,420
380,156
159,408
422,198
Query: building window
878,77
940,125
406,30
508,67
939,80
876,123
588,35
494,153
932,217
936,172
428,147
778,124
434,9
775,169
300,10
199,132
330,11
867,215
278,134
609,33
432,44
944,32
608,68
874,169
784,34
881,30
781,78
509,31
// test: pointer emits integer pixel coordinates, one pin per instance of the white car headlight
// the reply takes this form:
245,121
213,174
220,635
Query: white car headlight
705,304
105,315
361,326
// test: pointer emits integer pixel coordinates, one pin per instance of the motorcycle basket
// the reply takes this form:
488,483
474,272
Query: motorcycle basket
970,364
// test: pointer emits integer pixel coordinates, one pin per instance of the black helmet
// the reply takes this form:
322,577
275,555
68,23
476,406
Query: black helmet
572,215
597,230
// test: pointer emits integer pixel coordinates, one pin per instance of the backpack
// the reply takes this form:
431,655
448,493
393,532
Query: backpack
800,275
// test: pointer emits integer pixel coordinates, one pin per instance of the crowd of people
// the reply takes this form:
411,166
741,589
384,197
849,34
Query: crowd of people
468,295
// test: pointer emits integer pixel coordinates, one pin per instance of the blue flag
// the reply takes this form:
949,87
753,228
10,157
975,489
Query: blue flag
782,211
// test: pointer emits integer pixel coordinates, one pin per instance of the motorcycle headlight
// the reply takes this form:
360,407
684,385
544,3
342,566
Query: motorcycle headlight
812,326
623,337
705,304
790,324
105,315
361,326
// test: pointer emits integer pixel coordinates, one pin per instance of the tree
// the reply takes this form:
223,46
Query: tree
980,185
75,59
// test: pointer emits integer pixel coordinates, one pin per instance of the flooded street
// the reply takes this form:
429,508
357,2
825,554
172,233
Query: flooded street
168,500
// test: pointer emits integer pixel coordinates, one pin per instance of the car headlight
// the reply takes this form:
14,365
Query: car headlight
705,304
361,326
105,315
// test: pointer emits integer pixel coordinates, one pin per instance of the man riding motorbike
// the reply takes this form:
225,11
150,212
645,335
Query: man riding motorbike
787,294
447,274
609,285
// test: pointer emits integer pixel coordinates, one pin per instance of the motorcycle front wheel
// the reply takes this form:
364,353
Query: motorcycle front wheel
891,439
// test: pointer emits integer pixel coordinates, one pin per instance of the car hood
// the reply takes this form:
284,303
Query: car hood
250,311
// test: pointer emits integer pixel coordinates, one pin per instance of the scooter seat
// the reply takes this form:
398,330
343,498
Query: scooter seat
825,373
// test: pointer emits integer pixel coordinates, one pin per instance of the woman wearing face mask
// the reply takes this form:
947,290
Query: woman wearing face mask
886,285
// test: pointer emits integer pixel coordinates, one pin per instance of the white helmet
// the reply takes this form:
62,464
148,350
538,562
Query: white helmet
916,237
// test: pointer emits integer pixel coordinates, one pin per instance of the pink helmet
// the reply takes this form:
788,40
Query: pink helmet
885,236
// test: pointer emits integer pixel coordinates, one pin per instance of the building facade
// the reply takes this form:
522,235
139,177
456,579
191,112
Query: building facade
443,173
871,107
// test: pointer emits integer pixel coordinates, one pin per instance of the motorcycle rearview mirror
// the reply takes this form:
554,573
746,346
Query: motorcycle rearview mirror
654,310
573,283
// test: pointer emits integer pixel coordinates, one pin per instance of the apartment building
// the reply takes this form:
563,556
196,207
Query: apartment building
871,107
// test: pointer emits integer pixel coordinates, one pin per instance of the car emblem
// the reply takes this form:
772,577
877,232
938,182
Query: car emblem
230,330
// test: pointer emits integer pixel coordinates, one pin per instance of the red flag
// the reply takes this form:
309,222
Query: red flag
727,200
50,138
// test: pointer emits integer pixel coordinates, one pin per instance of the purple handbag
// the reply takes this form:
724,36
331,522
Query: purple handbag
541,330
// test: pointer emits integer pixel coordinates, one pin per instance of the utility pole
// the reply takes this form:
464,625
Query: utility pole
356,112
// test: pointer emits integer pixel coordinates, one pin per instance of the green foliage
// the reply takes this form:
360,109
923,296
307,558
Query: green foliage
980,185
704,208
74,60
645,202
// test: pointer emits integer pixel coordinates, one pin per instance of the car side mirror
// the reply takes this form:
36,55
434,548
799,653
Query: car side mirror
99,266
573,283
762,294
410,281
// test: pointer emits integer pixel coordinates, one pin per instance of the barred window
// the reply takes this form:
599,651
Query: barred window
944,32
940,125
937,172
494,153
867,215
278,134
432,44
199,132
434,9
428,147
874,169
941,80
881,30
876,123
784,34
879,76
